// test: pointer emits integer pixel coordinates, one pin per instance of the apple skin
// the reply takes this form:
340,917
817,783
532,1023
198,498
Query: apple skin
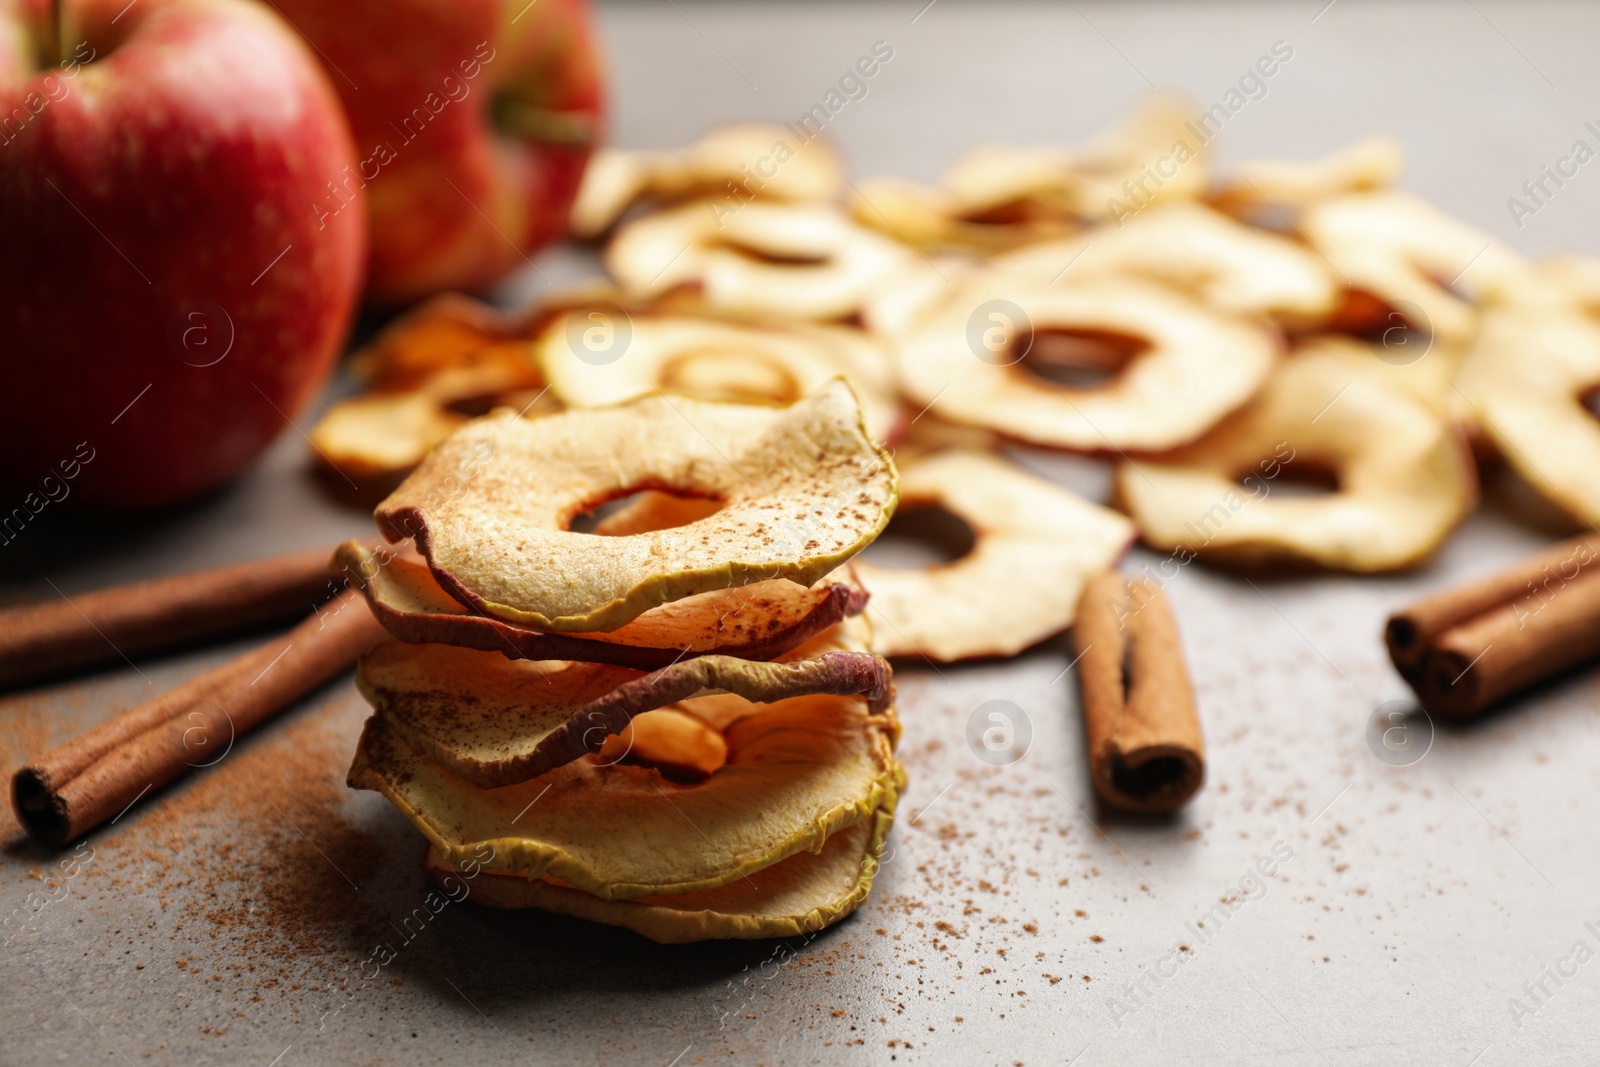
147,205
473,119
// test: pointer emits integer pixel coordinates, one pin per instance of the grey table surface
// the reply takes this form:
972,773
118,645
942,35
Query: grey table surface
1409,912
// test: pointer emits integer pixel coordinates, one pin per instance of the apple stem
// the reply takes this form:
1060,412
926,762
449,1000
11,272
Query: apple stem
58,28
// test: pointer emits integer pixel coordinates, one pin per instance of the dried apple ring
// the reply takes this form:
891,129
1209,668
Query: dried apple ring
442,332
1397,254
714,360
797,771
1232,268
758,622
727,167
1526,377
1153,157
1296,184
1193,366
802,489
1028,534
1429,378
1404,478
799,261
497,722
998,197
933,219
379,437
794,897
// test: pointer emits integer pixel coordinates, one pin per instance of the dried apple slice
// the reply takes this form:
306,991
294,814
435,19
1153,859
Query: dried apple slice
1232,268
727,167
1525,378
908,297
679,745
760,621
714,360
1400,255
1194,365
1296,184
935,220
496,722
381,436
1404,478
1153,154
1428,378
794,897
795,261
1000,197
1028,534
802,490
797,771
441,332
374,438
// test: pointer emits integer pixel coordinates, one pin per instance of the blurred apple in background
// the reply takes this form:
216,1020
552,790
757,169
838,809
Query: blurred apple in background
473,121
169,296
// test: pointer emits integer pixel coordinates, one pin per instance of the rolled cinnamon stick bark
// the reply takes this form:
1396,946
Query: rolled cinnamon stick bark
1146,753
46,640
69,791
1465,650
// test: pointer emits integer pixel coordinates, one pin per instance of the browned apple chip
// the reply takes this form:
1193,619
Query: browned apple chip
760,621
496,721
442,332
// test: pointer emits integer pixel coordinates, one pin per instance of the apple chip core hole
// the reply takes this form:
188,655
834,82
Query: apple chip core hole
1589,400
476,404
921,535
1149,779
639,511
1077,358
1374,320
731,374
1301,479
1011,213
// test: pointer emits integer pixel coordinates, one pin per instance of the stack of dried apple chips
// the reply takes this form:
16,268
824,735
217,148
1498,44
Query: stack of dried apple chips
671,723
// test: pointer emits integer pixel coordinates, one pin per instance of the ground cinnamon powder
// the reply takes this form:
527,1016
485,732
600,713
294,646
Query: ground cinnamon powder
252,861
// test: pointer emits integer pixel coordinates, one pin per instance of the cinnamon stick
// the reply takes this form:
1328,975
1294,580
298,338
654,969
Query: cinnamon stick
69,791
1466,650
46,640
1146,753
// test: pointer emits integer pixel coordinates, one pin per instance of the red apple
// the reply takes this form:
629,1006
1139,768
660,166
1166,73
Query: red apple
169,297
473,120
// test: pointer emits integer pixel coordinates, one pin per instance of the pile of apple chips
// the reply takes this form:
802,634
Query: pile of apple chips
674,721
629,679
1209,338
